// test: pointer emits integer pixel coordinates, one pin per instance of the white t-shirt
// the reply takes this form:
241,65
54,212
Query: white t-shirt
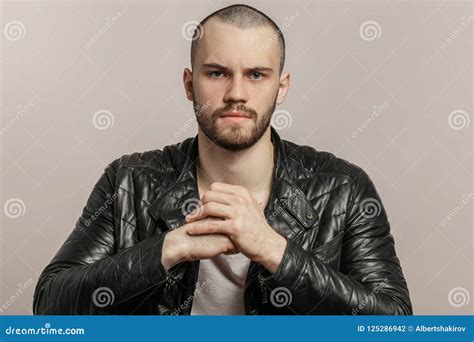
220,285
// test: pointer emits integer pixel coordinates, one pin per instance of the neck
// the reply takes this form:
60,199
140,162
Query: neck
251,168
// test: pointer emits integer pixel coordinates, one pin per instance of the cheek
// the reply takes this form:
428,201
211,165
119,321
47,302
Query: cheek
205,114
263,95
210,94
263,102
206,85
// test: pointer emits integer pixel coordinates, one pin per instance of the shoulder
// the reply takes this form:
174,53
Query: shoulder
169,159
307,162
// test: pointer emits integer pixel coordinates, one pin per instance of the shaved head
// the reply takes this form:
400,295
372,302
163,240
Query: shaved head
241,16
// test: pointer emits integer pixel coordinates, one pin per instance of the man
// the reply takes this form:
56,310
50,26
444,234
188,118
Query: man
234,220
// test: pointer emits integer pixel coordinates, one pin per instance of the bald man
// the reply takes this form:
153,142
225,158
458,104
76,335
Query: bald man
234,220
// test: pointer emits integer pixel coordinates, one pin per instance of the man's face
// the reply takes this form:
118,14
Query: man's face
235,83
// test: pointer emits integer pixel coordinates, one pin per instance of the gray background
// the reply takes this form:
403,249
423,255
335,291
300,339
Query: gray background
394,98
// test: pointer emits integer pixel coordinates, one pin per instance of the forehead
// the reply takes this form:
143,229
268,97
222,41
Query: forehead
232,46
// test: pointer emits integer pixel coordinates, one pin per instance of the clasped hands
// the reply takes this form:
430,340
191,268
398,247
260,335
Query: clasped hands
230,220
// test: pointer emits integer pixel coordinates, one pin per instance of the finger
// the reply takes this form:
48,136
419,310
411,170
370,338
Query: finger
235,190
210,209
208,227
228,188
218,197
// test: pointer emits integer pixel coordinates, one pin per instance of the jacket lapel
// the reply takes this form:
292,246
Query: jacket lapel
289,203
286,206
183,196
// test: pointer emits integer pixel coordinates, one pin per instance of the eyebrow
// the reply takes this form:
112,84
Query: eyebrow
224,68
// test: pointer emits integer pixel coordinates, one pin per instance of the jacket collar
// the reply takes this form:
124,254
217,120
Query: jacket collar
183,195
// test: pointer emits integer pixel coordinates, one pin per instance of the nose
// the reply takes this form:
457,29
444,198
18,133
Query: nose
236,90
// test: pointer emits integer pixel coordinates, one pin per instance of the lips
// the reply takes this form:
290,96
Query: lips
235,115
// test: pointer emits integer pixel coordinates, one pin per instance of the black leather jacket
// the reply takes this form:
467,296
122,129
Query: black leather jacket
340,257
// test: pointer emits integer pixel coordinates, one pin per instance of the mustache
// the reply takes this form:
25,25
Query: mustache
231,108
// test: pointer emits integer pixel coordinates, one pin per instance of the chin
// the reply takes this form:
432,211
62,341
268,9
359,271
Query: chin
233,136
236,138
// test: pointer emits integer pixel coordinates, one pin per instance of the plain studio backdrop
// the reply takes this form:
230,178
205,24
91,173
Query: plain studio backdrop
386,85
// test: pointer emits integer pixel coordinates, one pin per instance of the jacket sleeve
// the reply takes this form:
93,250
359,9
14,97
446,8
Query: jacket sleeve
88,276
370,280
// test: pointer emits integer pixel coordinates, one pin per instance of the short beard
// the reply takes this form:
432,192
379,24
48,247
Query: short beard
235,140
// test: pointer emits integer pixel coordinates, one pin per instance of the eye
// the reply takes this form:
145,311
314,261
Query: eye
256,75
215,74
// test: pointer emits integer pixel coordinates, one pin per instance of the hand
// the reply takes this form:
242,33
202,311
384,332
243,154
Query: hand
242,220
179,246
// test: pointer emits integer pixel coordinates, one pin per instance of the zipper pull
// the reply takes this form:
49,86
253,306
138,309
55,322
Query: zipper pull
264,290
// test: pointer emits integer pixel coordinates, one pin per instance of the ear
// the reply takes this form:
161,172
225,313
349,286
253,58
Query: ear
188,83
283,88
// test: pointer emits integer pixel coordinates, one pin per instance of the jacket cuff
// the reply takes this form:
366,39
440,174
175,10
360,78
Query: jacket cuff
160,275
291,267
